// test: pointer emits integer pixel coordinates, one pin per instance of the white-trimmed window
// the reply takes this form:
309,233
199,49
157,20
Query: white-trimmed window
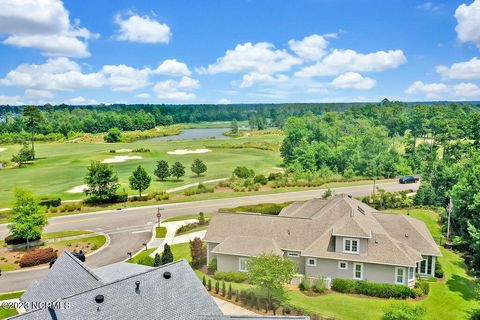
358,271
243,264
411,273
350,245
343,265
399,275
293,254
312,262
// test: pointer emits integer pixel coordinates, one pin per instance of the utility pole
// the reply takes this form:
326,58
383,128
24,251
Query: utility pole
449,208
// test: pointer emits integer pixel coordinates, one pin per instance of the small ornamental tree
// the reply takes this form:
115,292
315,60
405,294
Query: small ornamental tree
139,180
234,126
113,135
27,221
270,273
217,287
237,296
158,260
204,281
229,293
177,170
167,255
201,219
209,284
102,181
198,252
223,289
198,167
24,155
162,171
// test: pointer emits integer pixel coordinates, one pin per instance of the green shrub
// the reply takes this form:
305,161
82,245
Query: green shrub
305,284
201,188
474,314
403,311
239,277
53,210
424,286
50,202
261,179
318,285
212,265
219,275
162,196
438,270
380,290
217,287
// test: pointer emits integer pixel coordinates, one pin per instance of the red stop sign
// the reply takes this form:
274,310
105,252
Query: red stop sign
159,214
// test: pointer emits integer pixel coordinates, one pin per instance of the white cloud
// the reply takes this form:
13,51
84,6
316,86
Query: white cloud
172,67
42,24
10,100
143,95
81,101
124,78
224,101
33,93
55,74
349,60
468,22
310,48
261,57
142,29
467,90
176,90
430,6
461,70
430,90
253,78
353,80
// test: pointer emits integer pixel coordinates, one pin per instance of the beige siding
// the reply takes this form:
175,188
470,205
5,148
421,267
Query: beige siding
362,242
228,263
371,272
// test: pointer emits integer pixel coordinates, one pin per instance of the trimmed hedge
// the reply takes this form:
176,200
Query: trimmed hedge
380,290
11,240
230,276
38,256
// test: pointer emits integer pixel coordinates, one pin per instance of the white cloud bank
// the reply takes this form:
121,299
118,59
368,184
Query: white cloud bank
143,29
44,25
468,22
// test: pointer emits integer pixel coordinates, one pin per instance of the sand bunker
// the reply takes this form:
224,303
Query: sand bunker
118,159
3,149
123,150
78,189
187,151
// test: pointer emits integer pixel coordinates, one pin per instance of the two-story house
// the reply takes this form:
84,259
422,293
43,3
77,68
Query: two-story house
339,237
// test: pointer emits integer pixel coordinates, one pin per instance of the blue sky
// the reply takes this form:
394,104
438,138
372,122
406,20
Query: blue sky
238,51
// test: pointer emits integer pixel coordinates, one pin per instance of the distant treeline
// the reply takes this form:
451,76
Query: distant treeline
63,120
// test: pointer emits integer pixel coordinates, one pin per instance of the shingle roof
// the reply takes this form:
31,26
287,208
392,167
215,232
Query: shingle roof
180,297
248,246
66,277
119,270
309,227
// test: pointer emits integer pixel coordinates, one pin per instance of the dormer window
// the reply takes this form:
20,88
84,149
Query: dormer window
350,245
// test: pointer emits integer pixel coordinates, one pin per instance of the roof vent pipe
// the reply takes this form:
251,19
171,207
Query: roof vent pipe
99,298
137,285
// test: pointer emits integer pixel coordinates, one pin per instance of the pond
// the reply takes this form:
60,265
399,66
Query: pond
192,134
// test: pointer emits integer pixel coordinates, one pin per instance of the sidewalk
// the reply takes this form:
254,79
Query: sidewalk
170,236
229,308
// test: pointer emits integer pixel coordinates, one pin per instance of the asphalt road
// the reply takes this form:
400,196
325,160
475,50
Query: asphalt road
129,228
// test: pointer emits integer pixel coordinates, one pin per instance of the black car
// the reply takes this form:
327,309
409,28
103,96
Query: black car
408,179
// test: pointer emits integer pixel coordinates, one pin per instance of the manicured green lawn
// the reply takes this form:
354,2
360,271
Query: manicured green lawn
63,234
7,267
6,313
181,251
63,165
160,232
142,255
96,241
208,215
200,228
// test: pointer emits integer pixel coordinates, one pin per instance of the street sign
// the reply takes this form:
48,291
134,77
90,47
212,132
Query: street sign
159,215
